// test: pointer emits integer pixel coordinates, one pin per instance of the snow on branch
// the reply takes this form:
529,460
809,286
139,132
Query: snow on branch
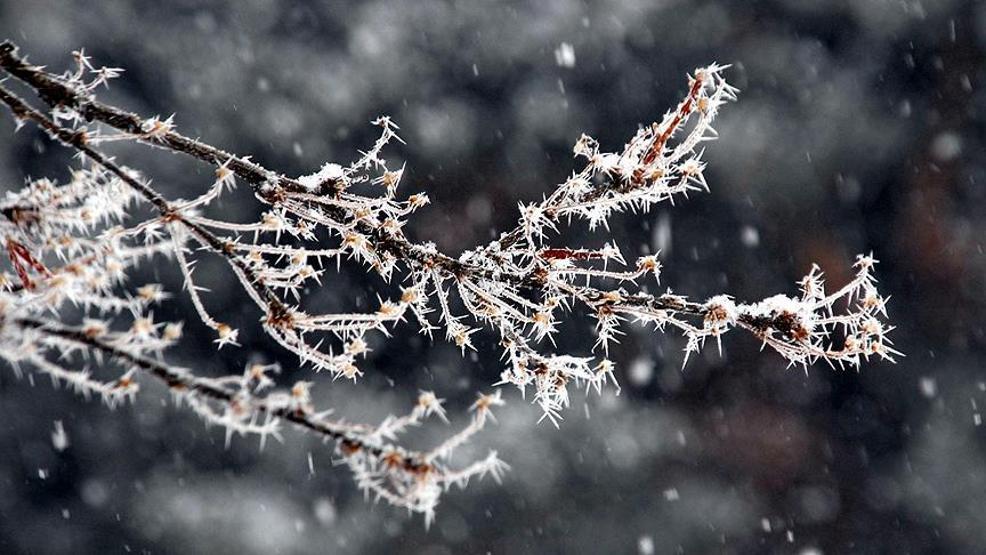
73,246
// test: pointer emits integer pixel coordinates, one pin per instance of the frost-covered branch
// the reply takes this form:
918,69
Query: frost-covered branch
74,244
247,405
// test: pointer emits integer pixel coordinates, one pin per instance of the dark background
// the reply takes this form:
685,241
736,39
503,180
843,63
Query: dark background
859,127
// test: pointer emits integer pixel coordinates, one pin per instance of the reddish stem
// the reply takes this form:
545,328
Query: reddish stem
19,256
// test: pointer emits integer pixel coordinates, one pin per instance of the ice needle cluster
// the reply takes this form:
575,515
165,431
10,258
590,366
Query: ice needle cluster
69,310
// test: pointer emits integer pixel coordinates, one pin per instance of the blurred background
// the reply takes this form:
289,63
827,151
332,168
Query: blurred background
860,127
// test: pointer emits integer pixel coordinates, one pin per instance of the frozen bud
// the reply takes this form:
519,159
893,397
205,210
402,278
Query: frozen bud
348,370
544,323
865,262
720,312
390,179
272,221
461,337
586,147
605,366
356,347
391,225
392,459
306,272
223,173
301,390
611,297
172,331
94,329
654,174
702,105
353,241
691,167
143,327
649,264
877,348
301,397
851,343
431,404
155,127
409,295
484,402
418,200
812,284
872,326
701,74
604,373
227,335
151,293
126,384
388,310
255,371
